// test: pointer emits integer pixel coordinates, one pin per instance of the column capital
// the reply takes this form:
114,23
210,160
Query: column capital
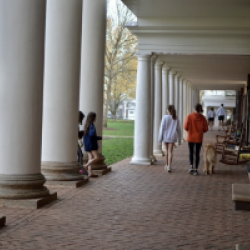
158,64
165,69
144,57
154,57
172,72
178,76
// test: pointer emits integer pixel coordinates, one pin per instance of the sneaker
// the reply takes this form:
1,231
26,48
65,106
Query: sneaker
166,168
195,173
169,169
190,171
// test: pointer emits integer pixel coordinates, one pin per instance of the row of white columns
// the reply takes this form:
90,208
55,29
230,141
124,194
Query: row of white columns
41,67
158,86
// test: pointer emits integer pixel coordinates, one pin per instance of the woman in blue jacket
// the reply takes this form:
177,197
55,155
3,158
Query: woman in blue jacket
90,142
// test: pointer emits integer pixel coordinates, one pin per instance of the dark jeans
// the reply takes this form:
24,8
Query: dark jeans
197,153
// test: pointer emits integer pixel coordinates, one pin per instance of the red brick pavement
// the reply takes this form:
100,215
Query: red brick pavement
137,207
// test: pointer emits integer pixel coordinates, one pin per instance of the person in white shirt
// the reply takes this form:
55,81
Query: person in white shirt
222,114
170,132
210,116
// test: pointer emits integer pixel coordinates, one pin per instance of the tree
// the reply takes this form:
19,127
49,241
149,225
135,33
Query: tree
120,60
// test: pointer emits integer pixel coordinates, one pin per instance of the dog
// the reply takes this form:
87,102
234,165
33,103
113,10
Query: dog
210,158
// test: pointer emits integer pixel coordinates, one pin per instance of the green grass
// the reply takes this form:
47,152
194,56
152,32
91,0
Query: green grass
120,128
117,149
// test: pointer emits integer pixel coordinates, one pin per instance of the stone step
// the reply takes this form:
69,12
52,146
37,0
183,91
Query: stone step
242,247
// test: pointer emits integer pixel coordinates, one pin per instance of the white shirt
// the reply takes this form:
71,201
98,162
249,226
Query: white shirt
170,130
221,111
211,114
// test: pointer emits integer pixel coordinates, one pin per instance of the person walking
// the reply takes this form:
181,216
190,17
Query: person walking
196,126
90,143
211,115
222,114
170,132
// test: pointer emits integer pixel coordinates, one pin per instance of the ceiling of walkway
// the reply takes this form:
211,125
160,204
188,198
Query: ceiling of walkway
205,41
211,71
195,8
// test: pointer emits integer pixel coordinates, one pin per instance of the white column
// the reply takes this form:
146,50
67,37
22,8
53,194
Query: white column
151,141
176,92
92,64
185,103
165,94
143,113
180,106
171,81
189,99
157,106
21,98
61,90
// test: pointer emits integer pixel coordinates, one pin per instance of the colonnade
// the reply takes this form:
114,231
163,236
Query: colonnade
167,87
49,54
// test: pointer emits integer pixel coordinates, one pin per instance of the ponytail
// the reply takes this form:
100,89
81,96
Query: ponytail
172,111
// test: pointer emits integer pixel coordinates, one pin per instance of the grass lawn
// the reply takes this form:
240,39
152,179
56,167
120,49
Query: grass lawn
117,149
120,128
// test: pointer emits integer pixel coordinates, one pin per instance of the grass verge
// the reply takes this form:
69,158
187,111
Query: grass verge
117,149
120,128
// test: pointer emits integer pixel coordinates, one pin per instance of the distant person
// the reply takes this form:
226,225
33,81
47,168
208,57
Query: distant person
90,143
211,115
222,114
195,125
170,132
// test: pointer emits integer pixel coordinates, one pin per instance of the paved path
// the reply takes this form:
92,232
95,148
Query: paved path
137,207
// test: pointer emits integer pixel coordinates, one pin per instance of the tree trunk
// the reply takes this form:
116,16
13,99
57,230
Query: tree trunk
106,105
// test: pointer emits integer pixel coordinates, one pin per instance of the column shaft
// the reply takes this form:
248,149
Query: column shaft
171,87
176,93
184,107
157,106
151,141
92,64
61,90
180,107
143,114
165,89
21,87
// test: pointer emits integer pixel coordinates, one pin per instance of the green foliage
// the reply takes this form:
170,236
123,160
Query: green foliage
117,149
120,128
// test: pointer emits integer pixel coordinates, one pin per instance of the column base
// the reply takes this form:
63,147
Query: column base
158,152
153,159
29,203
22,186
102,172
141,161
72,184
2,221
61,171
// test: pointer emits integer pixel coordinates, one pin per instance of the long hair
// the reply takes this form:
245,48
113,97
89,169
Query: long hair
172,111
90,120
80,117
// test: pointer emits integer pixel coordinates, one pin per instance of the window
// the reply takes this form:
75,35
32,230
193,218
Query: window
131,112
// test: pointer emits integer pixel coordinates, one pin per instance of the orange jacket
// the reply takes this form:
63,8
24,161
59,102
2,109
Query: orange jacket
196,125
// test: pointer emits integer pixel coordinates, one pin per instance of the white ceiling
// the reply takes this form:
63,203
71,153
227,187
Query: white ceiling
186,8
211,71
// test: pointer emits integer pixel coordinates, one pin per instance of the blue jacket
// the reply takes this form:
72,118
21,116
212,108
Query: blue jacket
90,139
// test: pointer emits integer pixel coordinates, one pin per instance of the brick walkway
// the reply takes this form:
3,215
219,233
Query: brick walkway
137,207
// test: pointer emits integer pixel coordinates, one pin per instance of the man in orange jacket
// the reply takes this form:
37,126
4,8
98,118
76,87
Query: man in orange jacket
196,126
